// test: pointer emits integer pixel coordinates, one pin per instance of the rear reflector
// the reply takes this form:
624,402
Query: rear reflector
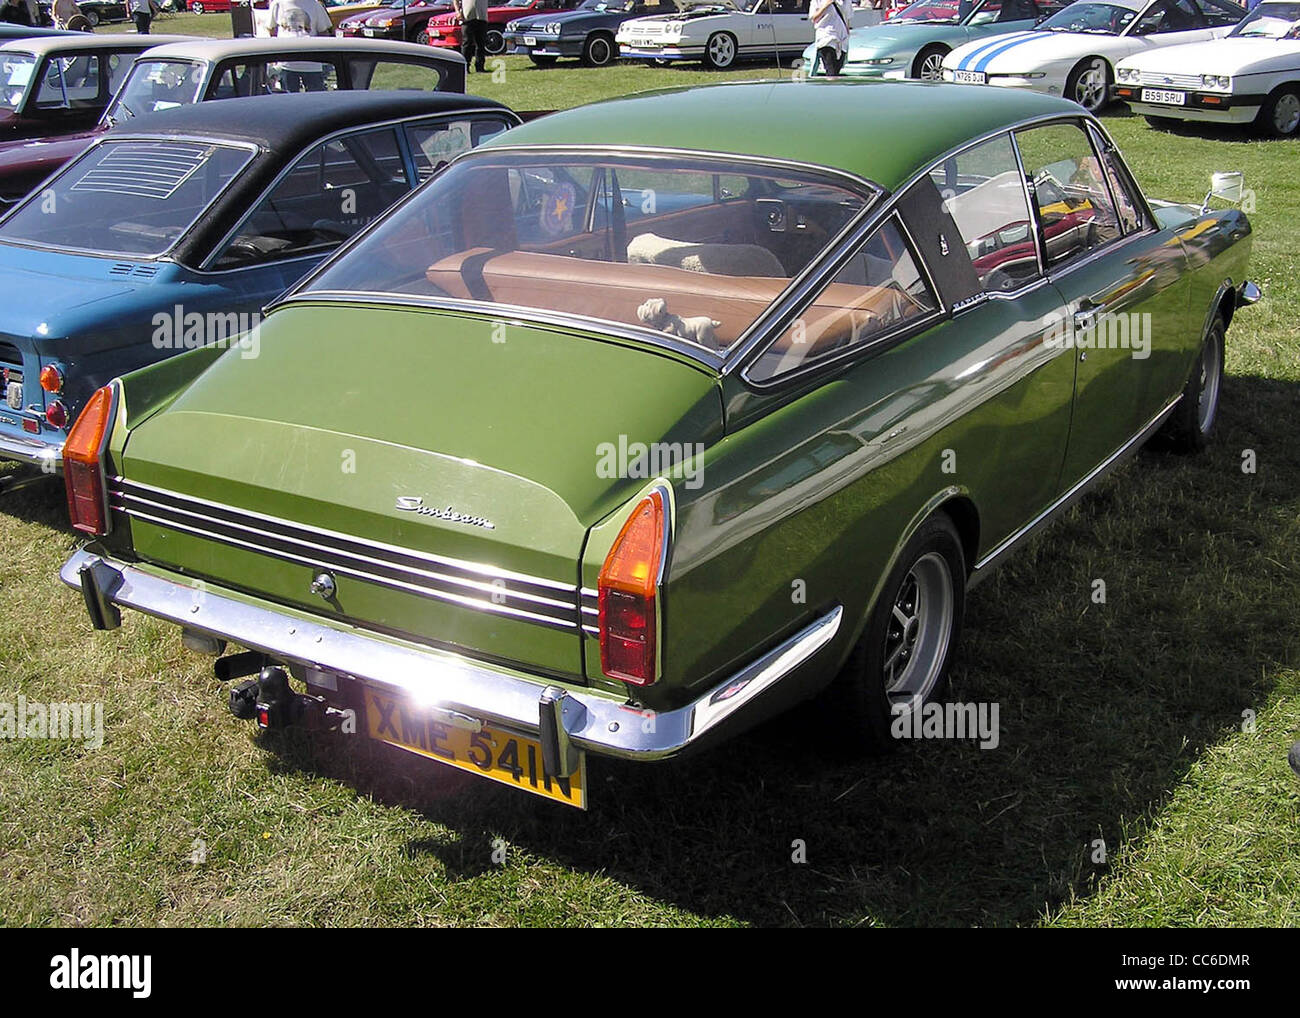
629,589
83,471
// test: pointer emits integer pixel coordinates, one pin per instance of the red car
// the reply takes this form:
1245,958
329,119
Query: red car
209,6
445,29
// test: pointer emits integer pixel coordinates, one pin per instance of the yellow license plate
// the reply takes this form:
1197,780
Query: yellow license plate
514,760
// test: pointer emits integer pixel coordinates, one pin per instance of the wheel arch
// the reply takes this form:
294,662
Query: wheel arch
956,503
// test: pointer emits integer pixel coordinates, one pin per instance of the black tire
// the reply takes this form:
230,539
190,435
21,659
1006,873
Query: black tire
422,37
721,51
599,50
494,42
1278,117
1162,123
859,699
92,16
1096,73
929,60
1191,426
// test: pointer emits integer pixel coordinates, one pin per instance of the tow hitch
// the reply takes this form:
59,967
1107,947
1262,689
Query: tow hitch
271,702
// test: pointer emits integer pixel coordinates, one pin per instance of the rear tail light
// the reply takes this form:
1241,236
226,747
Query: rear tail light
629,593
56,414
83,464
51,379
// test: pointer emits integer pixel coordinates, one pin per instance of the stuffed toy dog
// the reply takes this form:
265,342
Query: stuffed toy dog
654,312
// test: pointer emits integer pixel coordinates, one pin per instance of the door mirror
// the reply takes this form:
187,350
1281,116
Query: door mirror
1226,187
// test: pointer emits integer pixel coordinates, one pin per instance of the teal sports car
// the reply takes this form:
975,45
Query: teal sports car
913,43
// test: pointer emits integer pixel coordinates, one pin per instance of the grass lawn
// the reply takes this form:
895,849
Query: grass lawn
1122,723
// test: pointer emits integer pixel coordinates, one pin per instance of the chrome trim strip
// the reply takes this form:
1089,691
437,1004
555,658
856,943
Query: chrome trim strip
325,556
120,484
383,581
1073,495
513,314
595,722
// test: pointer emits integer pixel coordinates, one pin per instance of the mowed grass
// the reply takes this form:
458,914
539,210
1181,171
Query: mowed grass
1127,789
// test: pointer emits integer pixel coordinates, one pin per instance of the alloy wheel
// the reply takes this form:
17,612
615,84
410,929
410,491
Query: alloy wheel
918,632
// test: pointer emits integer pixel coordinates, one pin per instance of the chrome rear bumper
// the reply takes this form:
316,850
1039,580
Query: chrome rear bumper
564,719
37,452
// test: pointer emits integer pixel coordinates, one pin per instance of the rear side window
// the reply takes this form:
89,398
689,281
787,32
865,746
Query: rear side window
1218,14
434,145
983,191
70,81
235,80
385,75
881,291
1075,212
329,194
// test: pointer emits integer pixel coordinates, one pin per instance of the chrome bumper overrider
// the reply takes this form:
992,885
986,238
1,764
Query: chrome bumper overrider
565,720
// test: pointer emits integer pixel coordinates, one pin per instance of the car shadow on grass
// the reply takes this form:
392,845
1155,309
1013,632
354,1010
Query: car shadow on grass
1104,706
28,494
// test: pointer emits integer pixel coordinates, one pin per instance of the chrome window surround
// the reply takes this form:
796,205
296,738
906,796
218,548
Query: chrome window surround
886,338
803,288
868,191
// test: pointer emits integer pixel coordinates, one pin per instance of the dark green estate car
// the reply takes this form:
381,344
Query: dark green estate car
652,418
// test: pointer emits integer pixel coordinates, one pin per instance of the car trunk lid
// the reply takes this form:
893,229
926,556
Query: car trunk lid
442,469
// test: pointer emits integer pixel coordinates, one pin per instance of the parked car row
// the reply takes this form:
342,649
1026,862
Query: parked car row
796,332
1206,61
175,74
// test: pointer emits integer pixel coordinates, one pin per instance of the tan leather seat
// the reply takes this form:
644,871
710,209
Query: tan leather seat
614,290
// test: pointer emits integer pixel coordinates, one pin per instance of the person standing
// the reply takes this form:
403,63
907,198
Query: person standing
301,19
142,14
831,21
15,12
63,11
473,41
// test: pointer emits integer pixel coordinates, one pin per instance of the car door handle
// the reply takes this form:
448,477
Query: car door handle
1085,318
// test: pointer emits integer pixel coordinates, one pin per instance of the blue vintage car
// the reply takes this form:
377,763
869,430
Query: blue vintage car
585,34
174,230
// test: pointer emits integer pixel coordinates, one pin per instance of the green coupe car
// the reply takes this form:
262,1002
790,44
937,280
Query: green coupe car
641,423
913,43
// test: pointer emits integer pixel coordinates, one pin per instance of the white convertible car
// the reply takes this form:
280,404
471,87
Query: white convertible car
1253,76
1073,53
720,33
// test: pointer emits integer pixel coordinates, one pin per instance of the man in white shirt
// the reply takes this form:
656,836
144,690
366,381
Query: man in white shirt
303,19
141,12
831,20
473,41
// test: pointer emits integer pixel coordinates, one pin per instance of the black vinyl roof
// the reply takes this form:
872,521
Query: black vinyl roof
283,127
287,123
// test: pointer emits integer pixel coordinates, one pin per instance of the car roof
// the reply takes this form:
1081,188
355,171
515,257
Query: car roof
222,49
288,123
41,45
282,126
883,131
